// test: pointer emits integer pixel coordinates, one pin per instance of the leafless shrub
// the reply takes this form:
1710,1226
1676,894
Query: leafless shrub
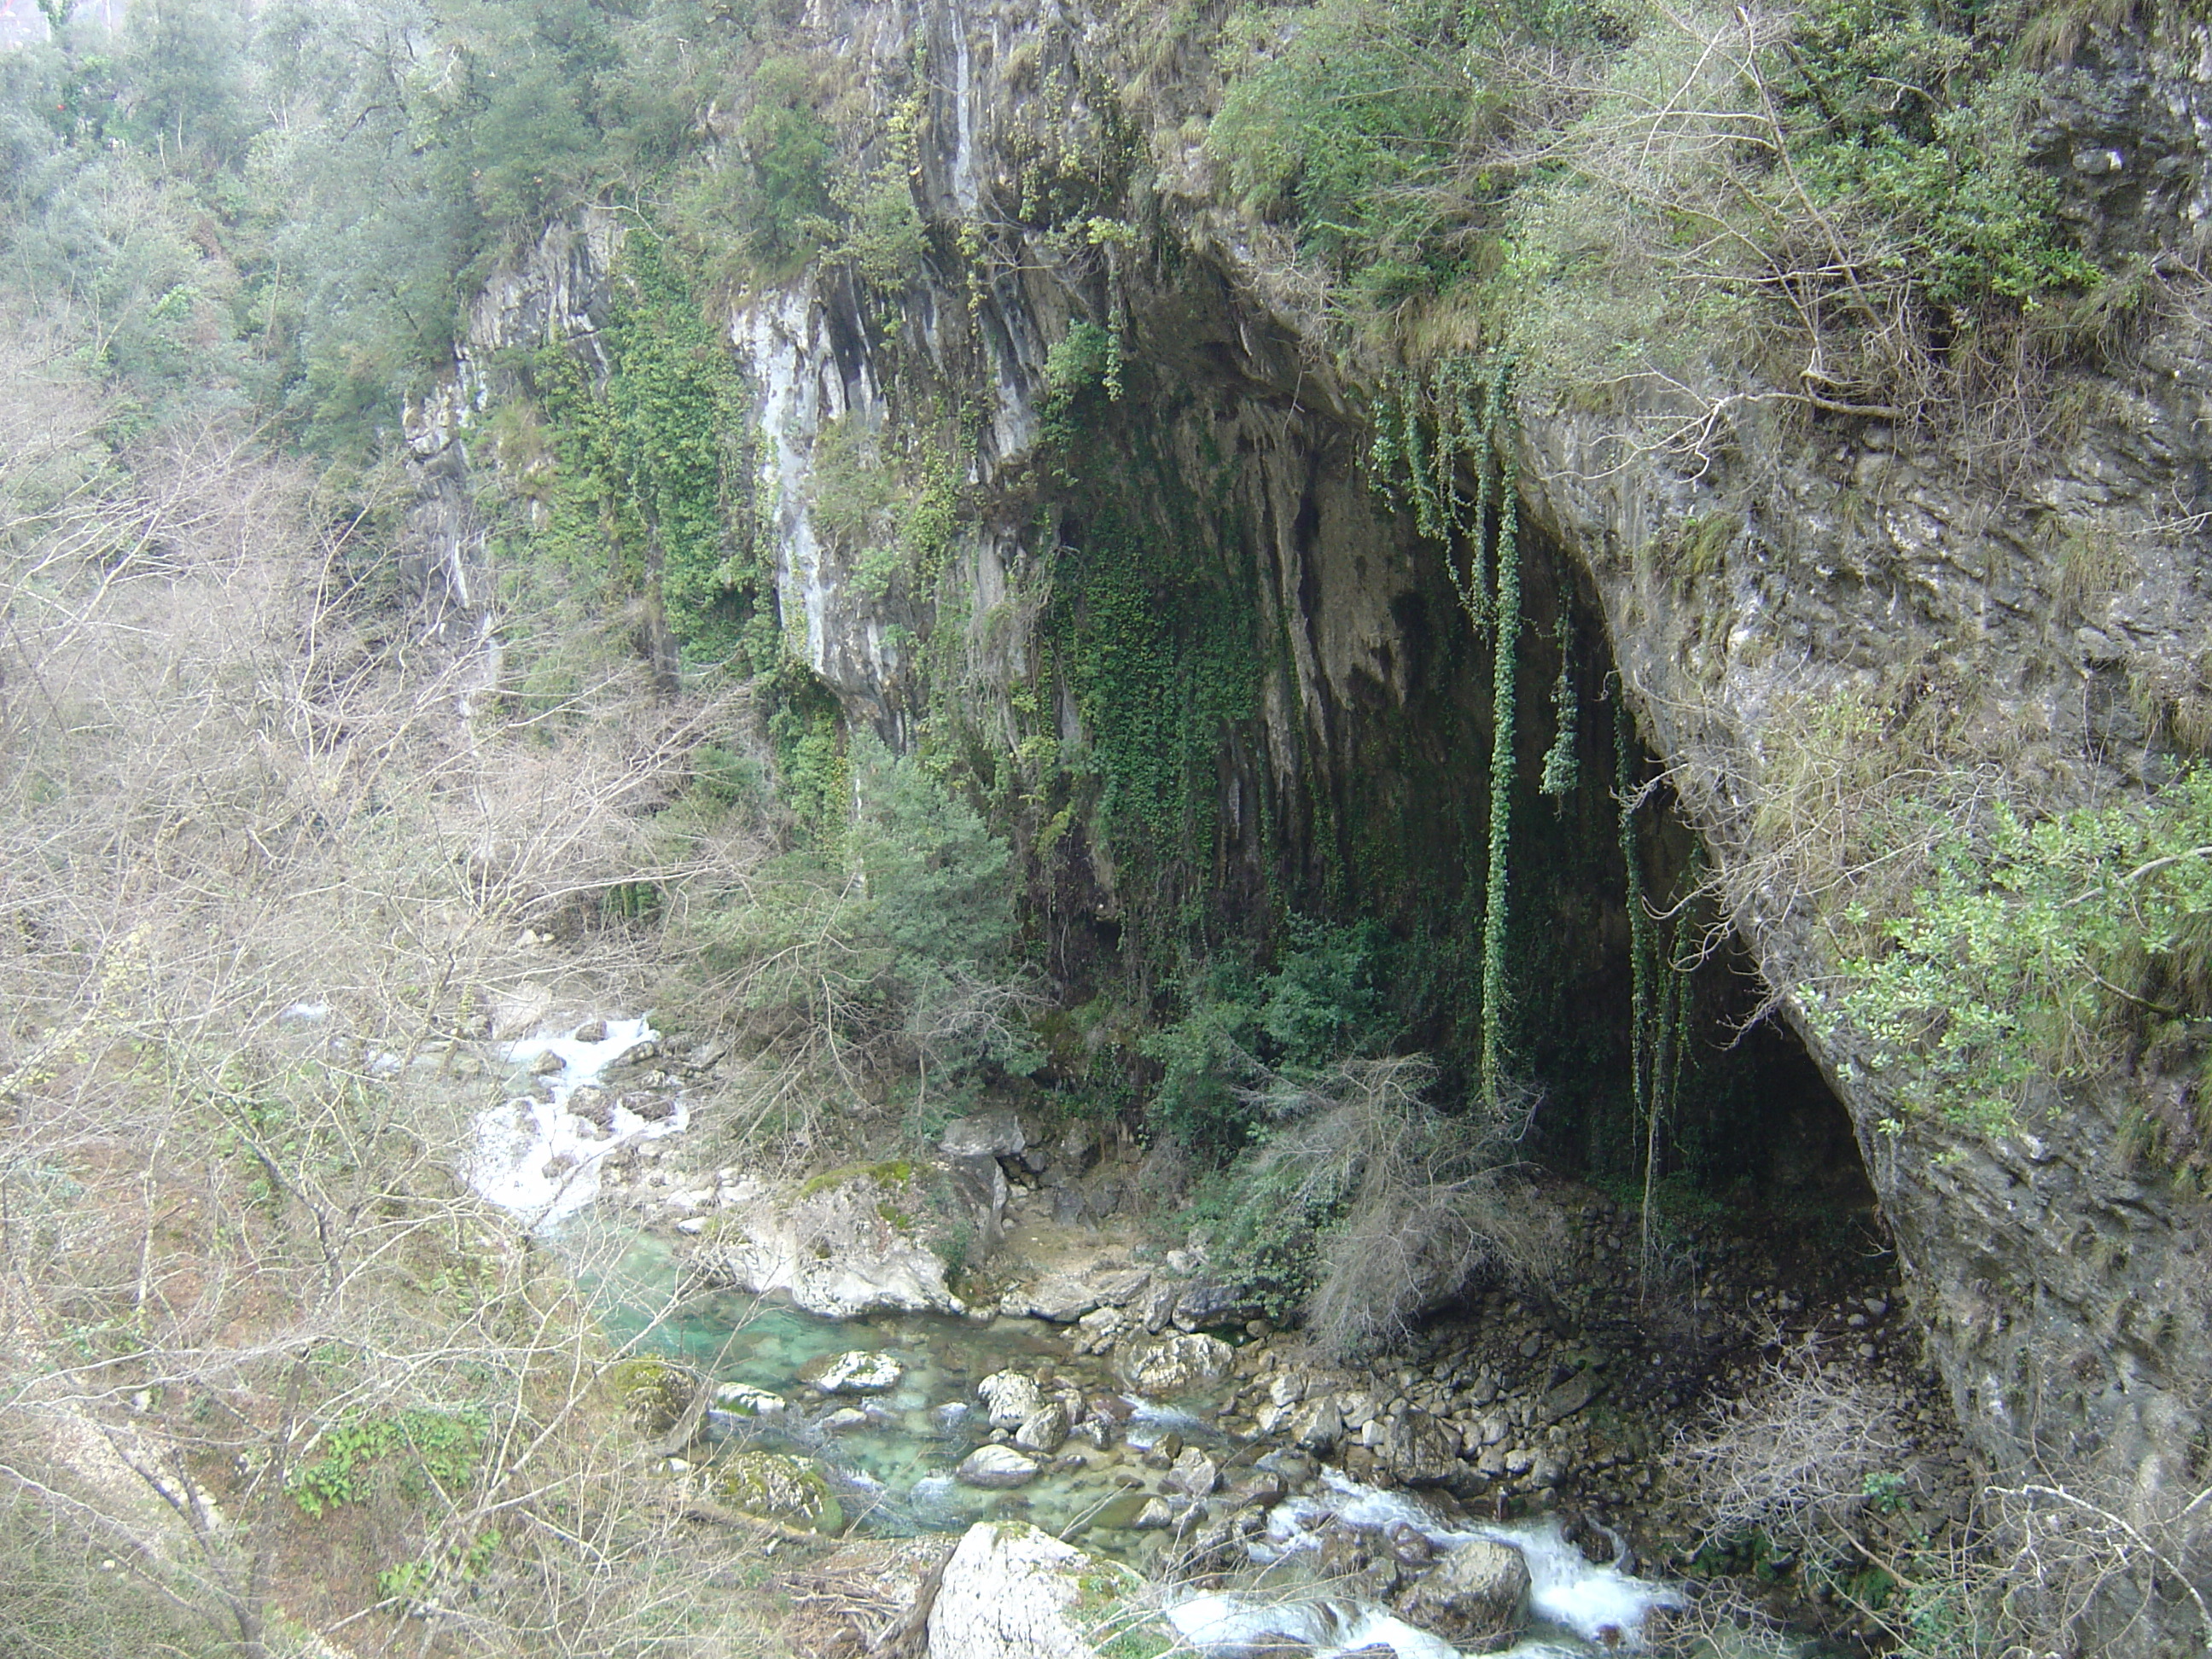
1426,1202
2105,1573
1792,1459
262,870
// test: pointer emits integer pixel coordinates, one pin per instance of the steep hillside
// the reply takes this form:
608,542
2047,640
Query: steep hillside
1865,596
1133,565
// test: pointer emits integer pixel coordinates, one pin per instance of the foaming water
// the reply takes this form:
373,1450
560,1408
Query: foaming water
1582,1607
538,1159
1223,1625
1567,1590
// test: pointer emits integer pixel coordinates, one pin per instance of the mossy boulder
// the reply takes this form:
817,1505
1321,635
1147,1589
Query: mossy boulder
771,1486
653,1392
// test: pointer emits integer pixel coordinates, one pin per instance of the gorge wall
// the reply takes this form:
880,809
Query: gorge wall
1170,565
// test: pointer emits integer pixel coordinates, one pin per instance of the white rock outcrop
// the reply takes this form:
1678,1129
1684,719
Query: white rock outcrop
858,1241
1013,1592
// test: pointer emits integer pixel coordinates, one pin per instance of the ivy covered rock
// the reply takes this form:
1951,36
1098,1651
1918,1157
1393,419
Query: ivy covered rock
653,1391
771,1486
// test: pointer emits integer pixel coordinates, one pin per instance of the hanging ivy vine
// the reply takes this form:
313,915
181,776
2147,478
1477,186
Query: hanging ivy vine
1562,769
1505,612
1643,944
1662,964
1432,438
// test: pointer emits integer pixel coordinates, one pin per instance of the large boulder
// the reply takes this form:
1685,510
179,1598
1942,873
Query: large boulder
1044,1430
1203,1305
1415,1450
1065,1298
1319,1425
859,1372
654,1393
1174,1364
743,1400
771,1486
996,1133
1472,1598
1193,1474
1013,1592
859,1240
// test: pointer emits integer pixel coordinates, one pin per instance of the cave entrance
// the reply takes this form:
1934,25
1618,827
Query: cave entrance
1621,1026
1750,1133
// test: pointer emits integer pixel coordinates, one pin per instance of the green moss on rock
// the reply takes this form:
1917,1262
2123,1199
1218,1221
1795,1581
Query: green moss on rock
653,1391
770,1486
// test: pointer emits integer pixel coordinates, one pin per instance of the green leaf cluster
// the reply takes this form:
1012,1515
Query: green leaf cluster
1342,119
1160,656
890,500
652,489
1325,1000
425,1450
901,929
1917,116
2035,949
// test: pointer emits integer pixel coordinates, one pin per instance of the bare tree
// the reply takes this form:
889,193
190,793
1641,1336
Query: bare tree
261,880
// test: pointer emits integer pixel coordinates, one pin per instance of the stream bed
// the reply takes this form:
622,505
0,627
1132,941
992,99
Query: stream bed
890,1455
893,1473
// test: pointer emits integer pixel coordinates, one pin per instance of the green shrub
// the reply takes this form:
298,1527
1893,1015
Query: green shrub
1915,116
1344,113
422,1449
61,1597
1323,1003
790,158
2034,950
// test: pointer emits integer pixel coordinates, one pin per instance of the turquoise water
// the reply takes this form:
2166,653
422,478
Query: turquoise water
895,1473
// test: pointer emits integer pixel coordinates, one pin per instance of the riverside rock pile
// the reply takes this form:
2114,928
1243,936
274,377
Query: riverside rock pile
1510,1403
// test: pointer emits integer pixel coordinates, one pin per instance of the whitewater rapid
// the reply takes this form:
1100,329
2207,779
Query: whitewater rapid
540,1160
1577,1608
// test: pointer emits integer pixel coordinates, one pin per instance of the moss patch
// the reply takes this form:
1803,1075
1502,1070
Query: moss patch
896,1173
770,1486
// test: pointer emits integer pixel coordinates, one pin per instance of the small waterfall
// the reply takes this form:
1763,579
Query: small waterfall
965,195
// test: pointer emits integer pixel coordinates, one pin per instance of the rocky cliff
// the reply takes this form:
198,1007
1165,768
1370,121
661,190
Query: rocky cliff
1747,566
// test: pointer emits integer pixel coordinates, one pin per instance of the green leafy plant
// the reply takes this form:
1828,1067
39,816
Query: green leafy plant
1342,119
2033,949
1914,114
425,1449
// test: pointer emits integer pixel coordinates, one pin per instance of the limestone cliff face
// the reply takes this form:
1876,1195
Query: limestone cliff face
2065,1289
2061,1290
555,296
